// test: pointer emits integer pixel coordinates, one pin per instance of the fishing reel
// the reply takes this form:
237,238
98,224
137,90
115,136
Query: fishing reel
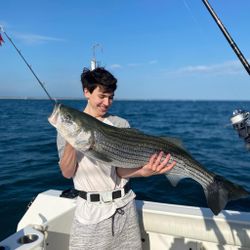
241,123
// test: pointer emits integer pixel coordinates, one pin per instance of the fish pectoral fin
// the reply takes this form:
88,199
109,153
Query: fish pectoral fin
97,156
174,178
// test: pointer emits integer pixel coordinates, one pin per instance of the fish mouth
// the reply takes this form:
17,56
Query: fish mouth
54,115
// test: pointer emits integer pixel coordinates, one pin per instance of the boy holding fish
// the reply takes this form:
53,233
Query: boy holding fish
105,216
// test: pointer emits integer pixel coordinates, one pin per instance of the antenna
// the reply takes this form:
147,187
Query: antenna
94,63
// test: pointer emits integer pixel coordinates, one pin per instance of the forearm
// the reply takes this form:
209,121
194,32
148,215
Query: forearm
129,172
68,161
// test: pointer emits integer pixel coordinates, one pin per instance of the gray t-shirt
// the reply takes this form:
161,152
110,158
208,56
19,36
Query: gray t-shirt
92,176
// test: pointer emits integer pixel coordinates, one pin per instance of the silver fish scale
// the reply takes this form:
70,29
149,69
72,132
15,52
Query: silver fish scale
192,171
124,149
122,154
134,150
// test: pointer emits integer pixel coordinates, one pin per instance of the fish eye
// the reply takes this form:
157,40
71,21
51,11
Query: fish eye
67,118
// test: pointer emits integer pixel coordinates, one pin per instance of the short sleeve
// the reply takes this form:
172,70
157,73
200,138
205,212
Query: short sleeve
118,121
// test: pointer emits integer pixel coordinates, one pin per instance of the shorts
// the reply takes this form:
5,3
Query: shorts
120,231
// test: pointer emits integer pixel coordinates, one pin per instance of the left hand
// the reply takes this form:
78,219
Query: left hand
156,165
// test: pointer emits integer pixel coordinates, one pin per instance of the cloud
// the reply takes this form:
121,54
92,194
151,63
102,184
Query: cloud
142,63
228,67
115,66
4,24
29,38
35,39
153,62
133,65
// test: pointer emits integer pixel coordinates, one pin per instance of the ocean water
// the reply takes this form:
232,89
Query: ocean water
29,161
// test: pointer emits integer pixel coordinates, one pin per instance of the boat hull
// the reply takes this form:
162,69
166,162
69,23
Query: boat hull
163,226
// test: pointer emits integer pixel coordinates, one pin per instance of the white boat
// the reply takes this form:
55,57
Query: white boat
46,225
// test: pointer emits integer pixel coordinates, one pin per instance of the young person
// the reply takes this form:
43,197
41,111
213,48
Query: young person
105,216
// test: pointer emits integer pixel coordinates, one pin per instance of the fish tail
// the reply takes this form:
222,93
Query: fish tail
220,191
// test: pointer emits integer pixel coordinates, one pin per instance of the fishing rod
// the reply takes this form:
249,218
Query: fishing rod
228,37
32,71
241,118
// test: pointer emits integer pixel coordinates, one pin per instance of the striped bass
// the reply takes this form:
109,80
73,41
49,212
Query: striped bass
130,148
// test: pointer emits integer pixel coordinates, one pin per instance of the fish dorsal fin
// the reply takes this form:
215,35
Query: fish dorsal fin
174,178
176,141
98,156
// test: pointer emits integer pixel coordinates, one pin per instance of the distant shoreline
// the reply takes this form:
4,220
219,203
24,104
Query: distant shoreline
119,99
37,98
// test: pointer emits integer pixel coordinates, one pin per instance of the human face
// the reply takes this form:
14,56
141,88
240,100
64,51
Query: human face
98,102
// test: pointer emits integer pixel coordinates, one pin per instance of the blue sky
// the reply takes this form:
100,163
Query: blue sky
158,49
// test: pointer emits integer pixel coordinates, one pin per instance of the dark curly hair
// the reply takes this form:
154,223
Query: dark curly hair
98,77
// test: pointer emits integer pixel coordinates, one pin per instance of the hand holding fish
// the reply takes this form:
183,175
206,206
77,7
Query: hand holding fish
157,165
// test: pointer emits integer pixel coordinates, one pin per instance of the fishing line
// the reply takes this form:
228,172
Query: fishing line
32,71
190,11
193,17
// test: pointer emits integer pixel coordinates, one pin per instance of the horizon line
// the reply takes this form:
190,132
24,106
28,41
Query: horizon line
117,99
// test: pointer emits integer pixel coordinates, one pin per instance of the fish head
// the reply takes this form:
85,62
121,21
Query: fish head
70,123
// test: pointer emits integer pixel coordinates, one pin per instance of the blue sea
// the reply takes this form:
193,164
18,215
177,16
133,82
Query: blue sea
29,161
